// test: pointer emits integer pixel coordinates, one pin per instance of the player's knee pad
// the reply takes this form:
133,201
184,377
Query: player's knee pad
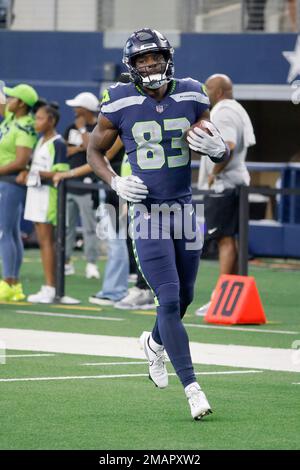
168,309
168,293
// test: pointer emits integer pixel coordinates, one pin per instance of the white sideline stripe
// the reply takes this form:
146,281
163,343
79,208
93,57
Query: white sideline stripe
238,328
68,315
112,363
118,376
27,355
249,357
296,383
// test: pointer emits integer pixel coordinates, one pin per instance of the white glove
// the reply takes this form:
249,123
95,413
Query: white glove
199,141
131,188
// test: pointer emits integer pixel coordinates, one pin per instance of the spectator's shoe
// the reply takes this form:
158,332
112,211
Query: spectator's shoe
94,299
18,293
157,369
137,299
69,269
91,271
201,311
197,401
6,292
132,278
45,296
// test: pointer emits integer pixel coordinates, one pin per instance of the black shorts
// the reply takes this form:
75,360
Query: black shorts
221,212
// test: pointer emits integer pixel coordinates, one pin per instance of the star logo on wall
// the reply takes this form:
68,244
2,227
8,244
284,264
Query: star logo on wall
293,57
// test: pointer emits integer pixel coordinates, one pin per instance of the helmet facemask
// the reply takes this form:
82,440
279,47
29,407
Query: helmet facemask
155,80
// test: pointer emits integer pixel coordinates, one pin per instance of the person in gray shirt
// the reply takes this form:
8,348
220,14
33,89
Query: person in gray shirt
221,208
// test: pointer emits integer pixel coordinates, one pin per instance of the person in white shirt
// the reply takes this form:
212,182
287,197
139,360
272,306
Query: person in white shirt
49,157
221,209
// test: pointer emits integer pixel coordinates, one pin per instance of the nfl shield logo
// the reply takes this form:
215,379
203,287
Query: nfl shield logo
160,108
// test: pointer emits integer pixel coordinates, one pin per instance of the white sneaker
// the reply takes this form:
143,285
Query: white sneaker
45,296
91,271
137,299
69,269
157,368
197,401
100,300
132,278
201,311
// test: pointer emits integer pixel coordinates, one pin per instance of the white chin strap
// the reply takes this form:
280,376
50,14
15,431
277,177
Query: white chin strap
155,81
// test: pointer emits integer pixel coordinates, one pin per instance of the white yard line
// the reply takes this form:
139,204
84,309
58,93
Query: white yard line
250,357
27,355
68,315
239,328
296,383
117,376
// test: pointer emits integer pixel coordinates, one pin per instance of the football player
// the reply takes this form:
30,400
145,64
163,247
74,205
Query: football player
153,115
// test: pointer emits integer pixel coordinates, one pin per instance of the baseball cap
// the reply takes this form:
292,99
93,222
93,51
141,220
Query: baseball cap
23,92
85,100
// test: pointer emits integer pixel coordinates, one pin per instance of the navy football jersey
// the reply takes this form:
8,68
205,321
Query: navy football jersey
152,132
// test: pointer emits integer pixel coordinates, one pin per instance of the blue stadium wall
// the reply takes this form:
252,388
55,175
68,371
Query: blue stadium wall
61,64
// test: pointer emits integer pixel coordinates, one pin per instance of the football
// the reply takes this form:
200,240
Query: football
201,125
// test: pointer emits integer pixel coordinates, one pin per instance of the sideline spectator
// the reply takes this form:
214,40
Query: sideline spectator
79,201
221,208
17,139
41,200
139,296
115,280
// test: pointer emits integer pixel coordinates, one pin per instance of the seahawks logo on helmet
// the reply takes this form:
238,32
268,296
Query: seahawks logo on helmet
145,41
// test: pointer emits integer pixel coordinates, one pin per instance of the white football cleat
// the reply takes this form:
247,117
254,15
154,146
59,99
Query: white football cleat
157,369
45,296
91,271
197,401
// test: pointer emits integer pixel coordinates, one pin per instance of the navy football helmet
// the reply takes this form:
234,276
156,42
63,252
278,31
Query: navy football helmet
146,41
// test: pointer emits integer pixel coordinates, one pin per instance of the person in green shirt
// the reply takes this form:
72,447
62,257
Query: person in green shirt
17,139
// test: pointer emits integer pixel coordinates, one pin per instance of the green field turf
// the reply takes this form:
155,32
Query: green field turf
251,411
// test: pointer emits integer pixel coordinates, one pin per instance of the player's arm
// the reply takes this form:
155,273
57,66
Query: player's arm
115,149
211,143
101,140
130,188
